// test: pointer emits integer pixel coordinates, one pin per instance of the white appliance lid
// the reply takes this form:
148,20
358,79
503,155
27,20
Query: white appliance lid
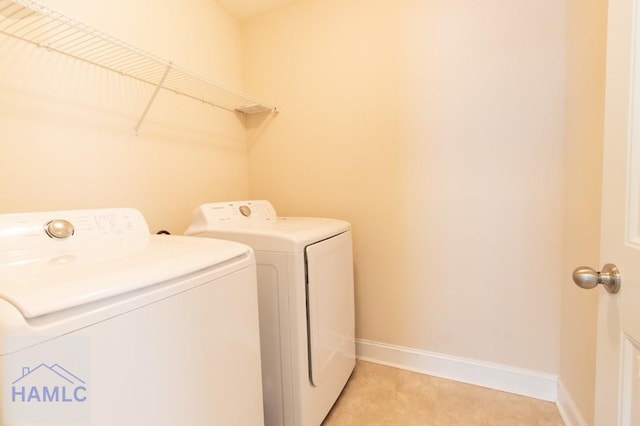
256,224
109,253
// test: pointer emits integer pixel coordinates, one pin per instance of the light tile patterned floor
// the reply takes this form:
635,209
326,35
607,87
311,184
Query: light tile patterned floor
377,395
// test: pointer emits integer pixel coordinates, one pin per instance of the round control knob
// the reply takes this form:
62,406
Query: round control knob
245,211
59,228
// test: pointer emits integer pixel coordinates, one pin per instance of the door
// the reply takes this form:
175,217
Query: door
618,356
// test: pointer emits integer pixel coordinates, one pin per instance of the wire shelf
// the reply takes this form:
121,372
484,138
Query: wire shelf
39,25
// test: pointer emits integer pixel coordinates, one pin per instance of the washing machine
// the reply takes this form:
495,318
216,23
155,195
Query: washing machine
103,324
305,293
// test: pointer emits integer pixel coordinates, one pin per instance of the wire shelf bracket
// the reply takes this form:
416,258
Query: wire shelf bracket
153,97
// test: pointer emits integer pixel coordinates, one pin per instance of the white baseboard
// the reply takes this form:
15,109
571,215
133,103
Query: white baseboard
494,376
568,408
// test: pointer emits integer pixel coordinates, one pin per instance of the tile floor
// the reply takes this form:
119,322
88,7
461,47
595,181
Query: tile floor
377,395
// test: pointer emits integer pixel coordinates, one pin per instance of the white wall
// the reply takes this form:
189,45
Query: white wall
437,129
68,128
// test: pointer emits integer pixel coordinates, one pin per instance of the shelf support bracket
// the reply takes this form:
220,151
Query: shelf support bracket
153,97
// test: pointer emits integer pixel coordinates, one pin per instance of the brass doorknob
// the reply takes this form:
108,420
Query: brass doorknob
588,278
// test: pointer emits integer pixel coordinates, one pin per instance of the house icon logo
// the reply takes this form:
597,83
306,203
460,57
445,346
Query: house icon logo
45,384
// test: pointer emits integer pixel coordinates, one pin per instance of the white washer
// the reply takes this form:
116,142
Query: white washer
103,324
305,293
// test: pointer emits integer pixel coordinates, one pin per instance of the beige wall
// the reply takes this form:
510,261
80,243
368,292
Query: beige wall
68,128
437,129
583,174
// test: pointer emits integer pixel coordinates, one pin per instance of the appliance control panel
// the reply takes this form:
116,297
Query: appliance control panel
70,225
237,212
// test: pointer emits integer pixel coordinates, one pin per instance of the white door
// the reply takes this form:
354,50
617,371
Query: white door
618,356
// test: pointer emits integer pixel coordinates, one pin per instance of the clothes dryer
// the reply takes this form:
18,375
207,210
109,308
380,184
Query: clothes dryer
103,324
306,302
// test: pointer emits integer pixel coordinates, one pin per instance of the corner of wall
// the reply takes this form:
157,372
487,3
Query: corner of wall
568,409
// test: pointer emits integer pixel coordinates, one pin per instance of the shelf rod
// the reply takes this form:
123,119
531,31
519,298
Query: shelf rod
153,97
48,29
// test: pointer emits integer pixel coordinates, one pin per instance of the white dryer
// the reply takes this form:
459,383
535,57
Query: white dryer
306,301
103,324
